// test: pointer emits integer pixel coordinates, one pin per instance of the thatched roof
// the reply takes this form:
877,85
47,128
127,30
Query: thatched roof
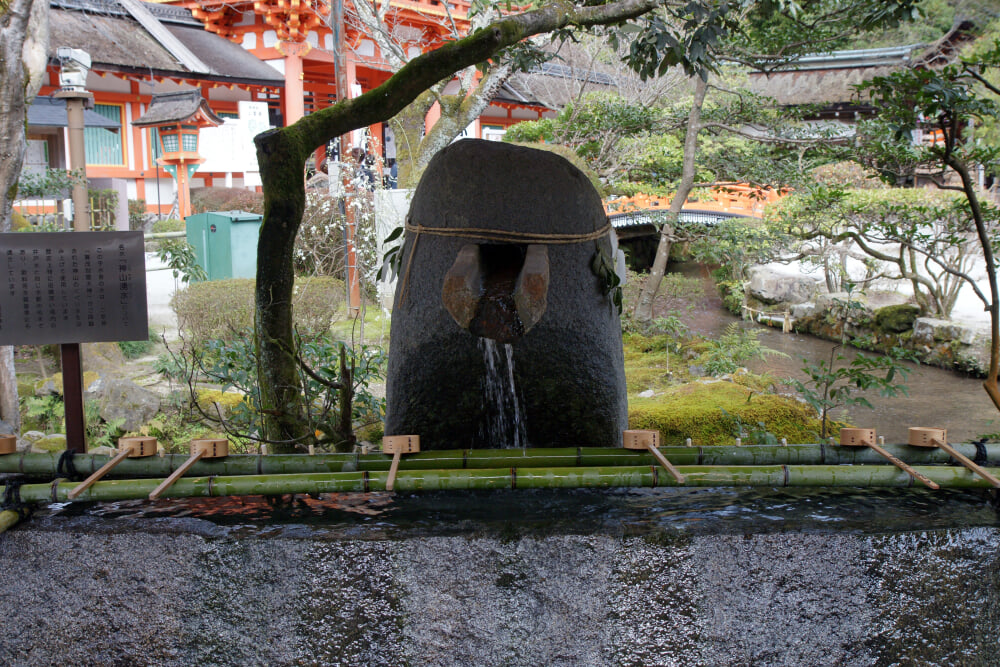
116,41
828,79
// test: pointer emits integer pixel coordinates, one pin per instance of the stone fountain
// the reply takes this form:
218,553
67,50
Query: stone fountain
500,250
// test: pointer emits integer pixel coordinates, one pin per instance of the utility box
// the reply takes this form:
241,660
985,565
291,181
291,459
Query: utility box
225,243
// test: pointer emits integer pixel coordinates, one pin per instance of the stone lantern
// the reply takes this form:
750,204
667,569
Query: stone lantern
179,117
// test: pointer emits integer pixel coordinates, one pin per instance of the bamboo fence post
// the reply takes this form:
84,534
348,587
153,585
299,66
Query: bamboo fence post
199,449
650,440
397,445
865,437
127,448
8,444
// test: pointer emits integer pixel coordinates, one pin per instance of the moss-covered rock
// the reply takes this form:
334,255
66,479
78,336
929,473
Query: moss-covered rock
55,442
707,412
54,384
896,319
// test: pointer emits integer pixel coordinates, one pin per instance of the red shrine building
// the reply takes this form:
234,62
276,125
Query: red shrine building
255,63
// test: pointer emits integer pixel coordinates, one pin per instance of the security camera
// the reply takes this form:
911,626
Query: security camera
74,65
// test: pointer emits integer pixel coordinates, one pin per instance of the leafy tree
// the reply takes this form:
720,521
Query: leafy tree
765,35
924,237
950,100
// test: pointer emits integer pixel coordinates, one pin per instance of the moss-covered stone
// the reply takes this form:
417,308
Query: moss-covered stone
50,443
695,410
896,319
54,384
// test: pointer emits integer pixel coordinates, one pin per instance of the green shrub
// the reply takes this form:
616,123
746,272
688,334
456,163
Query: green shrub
226,199
224,308
133,349
19,223
706,413
171,225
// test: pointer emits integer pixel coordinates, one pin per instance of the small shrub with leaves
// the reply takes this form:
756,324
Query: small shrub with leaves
734,348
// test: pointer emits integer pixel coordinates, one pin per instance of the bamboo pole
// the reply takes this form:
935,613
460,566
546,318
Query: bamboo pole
507,478
44,465
175,475
8,519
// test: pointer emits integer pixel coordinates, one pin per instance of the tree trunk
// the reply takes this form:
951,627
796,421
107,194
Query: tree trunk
24,40
990,384
281,154
644,309
408,128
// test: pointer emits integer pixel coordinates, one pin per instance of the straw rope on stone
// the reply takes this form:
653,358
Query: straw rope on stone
510,237
497,235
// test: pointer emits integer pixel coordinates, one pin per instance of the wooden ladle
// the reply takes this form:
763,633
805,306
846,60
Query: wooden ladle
920,436
650,440
200,449
865,437
397,445
128,448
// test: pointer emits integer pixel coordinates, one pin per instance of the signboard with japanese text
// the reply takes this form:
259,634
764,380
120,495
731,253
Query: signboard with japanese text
72,287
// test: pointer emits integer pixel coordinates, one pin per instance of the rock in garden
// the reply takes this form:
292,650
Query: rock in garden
122,399
771,286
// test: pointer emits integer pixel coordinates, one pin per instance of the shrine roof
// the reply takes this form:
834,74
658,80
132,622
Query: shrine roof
118,41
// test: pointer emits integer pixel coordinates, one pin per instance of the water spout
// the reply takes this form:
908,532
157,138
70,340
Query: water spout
503,422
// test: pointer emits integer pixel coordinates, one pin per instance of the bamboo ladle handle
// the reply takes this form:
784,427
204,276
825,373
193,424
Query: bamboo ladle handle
104,470
665,463
390,481
968,463
169,481
903,466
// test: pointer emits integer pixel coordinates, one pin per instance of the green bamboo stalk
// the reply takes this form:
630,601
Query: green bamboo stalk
8,519
523,478
45,464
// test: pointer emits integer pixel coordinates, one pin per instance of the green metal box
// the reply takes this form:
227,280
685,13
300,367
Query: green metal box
225,243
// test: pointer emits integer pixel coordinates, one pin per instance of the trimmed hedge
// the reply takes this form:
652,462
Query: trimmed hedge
224,308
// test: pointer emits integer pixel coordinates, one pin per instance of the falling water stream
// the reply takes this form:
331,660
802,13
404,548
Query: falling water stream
503,423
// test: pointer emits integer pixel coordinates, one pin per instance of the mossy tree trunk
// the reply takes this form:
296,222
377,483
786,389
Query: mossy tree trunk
282,154
24,40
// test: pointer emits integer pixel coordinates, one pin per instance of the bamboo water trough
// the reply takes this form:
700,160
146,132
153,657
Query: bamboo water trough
46,465
818,465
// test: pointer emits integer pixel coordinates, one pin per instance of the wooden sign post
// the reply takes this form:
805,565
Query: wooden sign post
67,289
